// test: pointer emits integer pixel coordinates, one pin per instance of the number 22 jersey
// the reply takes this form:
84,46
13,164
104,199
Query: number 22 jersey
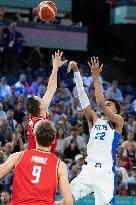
35,178
103,143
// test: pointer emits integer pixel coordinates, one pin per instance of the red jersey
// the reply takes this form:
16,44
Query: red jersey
35,178
31,136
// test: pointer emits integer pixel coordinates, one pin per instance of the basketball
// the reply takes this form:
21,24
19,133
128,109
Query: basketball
47,11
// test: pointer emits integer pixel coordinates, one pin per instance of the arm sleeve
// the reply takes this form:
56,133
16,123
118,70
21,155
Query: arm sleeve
81,92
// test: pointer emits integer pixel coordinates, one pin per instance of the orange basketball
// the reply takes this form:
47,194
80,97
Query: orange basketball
47,11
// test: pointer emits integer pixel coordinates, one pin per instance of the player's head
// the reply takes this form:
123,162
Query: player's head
113,105
33,105
45,133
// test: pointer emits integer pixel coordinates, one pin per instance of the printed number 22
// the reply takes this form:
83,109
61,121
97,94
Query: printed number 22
100,136
36,173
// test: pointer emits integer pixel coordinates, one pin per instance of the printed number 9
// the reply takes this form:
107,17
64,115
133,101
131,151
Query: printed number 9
36,173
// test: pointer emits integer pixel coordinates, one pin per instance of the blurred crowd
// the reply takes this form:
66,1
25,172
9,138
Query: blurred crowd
20,16
22,77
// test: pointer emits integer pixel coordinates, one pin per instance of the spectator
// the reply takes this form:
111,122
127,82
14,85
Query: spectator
8,182
79,160
130,140
134,129
114,92
69,113
12,41
74,171
19,114
5,132
35,85
129,123
17,142
79,119
67,125
125,159
2,113
75,106
13,97
74,135
1,156
71,151
120,168
131,153
41,90
22,86
54,113
5,198
132,178
4,88
11,121
7,150
65,91
61,136
6,104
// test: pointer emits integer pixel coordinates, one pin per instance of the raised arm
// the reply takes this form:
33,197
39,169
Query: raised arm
115,118
64,186
89,113
52,84
9,165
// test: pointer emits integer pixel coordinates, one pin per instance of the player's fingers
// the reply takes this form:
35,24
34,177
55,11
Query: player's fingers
101,67
60,55
97,60
89,64
55,54
53,57
64,62
94,59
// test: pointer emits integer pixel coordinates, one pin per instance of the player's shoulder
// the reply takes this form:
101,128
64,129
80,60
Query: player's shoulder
15,156
119,119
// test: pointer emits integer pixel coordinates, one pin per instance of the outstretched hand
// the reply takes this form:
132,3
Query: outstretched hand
95,67
72,66
57,62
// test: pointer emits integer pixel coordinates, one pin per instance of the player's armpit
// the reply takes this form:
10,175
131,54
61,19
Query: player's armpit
90,115
6,167
64,185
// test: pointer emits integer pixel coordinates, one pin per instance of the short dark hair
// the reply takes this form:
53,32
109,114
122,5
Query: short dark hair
117,105
33,106
45,133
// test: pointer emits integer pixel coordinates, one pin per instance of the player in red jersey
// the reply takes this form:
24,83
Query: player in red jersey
38,107
37,172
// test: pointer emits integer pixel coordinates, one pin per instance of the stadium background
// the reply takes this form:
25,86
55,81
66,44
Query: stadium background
82,28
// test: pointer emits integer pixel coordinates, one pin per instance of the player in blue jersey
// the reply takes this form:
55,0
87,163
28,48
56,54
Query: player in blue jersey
98,175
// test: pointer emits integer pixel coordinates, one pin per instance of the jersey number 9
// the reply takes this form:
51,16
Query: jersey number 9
36,173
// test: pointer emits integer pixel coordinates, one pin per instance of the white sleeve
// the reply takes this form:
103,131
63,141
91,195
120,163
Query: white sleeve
81,92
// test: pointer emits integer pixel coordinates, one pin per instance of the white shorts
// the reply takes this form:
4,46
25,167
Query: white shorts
99,180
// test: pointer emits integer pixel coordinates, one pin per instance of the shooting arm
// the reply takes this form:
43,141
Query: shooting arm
85,104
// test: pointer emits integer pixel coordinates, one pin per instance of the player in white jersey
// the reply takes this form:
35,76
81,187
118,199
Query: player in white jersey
98,175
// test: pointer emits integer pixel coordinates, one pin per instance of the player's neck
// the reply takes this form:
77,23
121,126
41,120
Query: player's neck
43,112
46,149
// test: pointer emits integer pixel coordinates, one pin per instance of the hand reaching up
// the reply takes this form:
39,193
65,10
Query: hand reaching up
95,67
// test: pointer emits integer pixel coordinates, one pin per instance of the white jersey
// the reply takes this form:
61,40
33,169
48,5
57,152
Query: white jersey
103,144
